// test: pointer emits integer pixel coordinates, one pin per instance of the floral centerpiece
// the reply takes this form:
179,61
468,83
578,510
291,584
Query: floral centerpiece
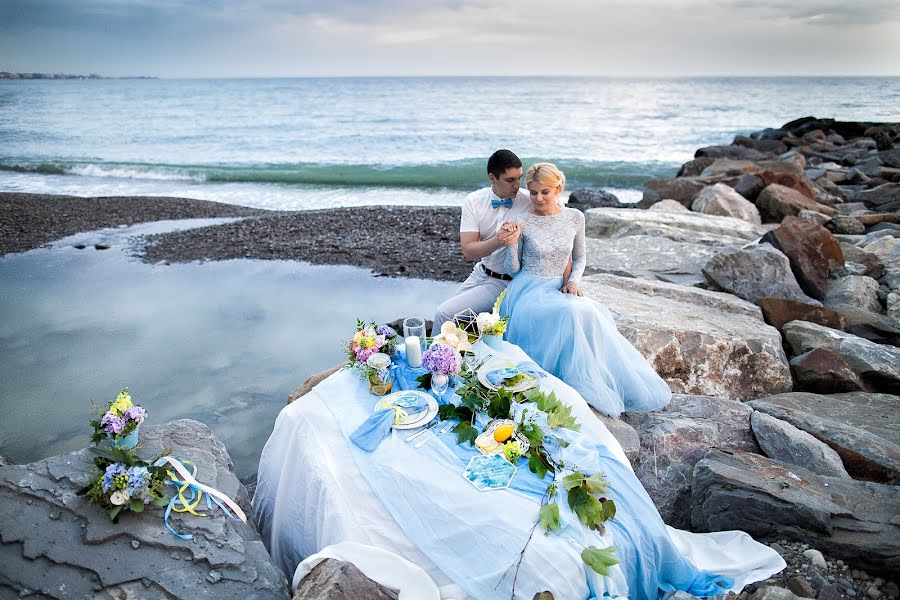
124,482
441,361
454,336
491,325
120,422
368,352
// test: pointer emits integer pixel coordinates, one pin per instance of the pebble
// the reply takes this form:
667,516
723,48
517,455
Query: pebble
102,246
214,577
873,592
778,548
175,556
851,593
800,587
54,514
828,592
816,558
135,544
891,590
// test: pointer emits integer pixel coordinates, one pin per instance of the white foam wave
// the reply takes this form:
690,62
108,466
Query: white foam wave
155,174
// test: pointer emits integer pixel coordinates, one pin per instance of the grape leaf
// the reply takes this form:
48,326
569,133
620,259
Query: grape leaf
537,466
549,515
465,432
561,416
543,596
547,403
600,560
534,434
499,406
573,481
424,381
596,484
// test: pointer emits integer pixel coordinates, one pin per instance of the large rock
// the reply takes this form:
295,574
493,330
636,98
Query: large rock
670,206
812,250
776,202
887,249
877,365
769,499
782,441
738,152
861,427
585,198
338,580
825,371
624,433
749,186
312,381
649,257
854,290
682,189
759,271
674,439
878,328
721,200
700,342
858,261
778,311
58,545
883,198
617,222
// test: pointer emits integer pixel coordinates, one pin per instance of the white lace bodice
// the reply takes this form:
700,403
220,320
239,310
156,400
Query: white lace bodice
547,242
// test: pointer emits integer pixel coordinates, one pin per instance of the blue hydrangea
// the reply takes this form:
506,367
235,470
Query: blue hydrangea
112,471
138,480
386,331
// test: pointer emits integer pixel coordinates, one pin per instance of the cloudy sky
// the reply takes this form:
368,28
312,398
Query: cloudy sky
241,38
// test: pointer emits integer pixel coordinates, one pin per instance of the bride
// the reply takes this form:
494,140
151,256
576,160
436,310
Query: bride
570,336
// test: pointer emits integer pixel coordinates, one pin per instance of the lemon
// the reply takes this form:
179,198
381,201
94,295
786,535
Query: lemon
503,432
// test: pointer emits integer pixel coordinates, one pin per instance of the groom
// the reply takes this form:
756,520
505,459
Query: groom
485,231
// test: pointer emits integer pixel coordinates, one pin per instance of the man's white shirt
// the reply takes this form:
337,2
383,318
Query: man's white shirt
479,217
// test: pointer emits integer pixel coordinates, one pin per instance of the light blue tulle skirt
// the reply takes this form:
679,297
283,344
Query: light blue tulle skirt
576,339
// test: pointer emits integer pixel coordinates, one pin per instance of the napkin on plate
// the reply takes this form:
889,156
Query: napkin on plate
378,426
498,376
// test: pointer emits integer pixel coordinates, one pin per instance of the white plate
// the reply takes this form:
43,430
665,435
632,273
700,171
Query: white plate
517,435
502,363
418,419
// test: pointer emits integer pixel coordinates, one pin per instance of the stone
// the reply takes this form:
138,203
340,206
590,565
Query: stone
70,556
829,592
801,587
791,180
689,226
649,257
624,433
890,157
824,371
881,196
771,499
692,168
585,198
749,186
782,441
853,290
812,251
858,261
719,199
763,145
893,305
759,271
813,217
739,152
846,224
335,579
778,311
312,381
861,427
815,558
872,326
682,189
887,249
670,206
776,202
873,592
891,590
699,341
771,592
679,595
878,366
729,167
674,439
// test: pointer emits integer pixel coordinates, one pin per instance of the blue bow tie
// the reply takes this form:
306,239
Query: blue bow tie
495,203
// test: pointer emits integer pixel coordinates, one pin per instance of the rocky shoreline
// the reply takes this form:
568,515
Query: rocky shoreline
763,283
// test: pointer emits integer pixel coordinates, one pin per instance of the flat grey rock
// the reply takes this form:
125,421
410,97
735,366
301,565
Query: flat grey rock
887,249
759,271
61,546
853,290
700,342
782,441
338,580
769,499
612,222
720,199
861,427
649,257
675,438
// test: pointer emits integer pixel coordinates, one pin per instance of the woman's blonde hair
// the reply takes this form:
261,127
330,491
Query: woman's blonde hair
546,174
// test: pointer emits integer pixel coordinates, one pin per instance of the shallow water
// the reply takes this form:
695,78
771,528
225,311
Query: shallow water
220,342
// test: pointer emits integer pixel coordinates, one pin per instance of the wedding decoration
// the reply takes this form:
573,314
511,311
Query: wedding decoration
441,362
122,481
119,423
466,321
369,341
454,336
491,325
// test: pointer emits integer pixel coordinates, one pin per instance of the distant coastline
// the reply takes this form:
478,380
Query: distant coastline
12,75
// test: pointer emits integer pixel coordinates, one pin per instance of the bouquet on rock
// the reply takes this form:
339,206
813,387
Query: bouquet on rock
124,482
119,423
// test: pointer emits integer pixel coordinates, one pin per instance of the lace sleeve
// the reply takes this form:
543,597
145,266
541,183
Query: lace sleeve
512,264
579,259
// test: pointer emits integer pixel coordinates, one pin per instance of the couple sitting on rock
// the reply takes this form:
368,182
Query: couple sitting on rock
531,244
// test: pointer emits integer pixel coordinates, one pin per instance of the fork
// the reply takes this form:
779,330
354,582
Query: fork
444,429
421,431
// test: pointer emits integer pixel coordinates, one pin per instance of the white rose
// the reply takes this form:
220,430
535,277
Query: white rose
452,339
448,327
119,497
486,320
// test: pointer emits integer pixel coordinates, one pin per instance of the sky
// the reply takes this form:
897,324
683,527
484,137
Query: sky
311,38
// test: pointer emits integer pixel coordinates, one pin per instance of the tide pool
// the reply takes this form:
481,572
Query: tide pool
220,342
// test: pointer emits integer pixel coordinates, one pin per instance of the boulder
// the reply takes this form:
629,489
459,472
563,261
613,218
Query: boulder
749,186
812,250
770,146
824,371
813,217
861,427
792,180
739,152
649,257
782,441
729,167
58,545
700,342
776,202
312,381
893,305
869,325
682,189
882,198
759,271
778,311
335,579
887,249
692,168
845,224
670,206
624,433
719,199
770,499
878,366
858,261
854,290
689,226
674,439
890,157
585,198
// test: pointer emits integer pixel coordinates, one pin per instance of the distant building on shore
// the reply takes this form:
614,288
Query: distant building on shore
11,75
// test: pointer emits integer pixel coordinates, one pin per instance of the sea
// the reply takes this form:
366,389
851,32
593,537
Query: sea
226,342
296,144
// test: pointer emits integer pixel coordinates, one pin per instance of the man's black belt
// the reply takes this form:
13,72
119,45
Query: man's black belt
500,276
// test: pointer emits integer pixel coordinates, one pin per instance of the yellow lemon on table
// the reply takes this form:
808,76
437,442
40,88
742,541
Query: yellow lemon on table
503,432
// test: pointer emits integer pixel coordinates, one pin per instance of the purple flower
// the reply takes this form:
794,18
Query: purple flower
363,354
112,423
442,359
135,413
386,331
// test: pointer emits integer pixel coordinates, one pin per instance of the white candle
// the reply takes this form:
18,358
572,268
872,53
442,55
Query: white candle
413,351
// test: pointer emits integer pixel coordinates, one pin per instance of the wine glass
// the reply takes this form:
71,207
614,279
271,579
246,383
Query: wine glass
439,384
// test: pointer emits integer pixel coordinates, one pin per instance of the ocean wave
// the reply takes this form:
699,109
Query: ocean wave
455,175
